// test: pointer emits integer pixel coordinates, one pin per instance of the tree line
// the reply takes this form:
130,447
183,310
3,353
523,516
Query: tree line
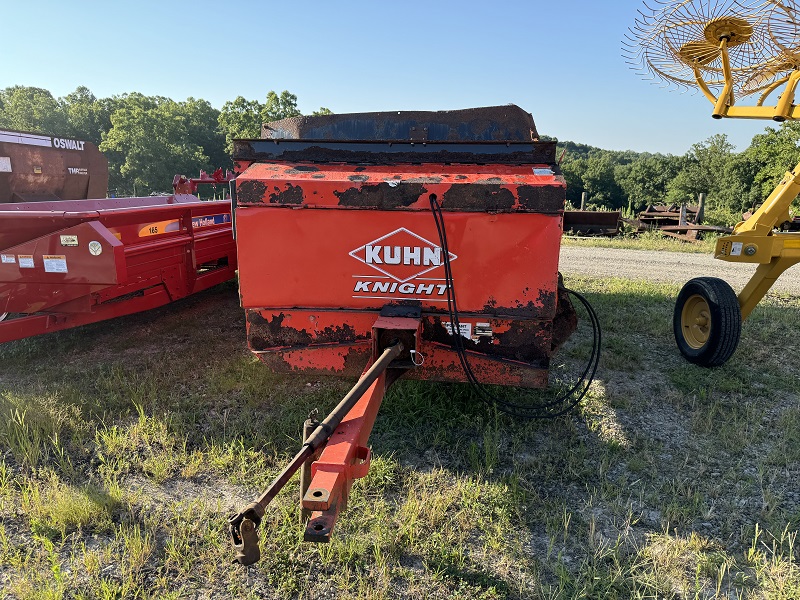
148,139
733,182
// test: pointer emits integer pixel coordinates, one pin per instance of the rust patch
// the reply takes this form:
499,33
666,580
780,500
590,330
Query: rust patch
383,195
301,169
542,308
507,122
263,334
358,177
359,169
478,197
542,198
429,179
293,194
355,359
318,176
566,320
526,341
250,192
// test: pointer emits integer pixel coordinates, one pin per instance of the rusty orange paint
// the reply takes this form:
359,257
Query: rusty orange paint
324,247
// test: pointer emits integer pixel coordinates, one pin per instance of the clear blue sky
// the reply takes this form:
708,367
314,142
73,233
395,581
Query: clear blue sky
558,59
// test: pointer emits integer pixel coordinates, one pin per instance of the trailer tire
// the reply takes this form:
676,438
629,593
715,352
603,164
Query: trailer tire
707,321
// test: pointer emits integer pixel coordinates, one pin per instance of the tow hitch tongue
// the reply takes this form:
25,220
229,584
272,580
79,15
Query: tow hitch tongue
363,399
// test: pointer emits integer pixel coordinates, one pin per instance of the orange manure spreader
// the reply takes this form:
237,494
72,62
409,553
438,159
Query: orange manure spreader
401,244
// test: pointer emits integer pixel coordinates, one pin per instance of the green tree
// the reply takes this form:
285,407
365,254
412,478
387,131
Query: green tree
279,107
645,181
149,143
32,109
202,130
240,118
88,118
599,182
768,157
572,169
706,169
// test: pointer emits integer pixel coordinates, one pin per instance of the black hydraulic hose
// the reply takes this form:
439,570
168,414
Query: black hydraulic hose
543,410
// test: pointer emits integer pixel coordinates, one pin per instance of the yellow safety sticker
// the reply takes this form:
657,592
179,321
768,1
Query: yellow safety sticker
159,228
54,263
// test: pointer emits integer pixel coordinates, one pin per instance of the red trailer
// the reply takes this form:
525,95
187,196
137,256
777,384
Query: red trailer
68,263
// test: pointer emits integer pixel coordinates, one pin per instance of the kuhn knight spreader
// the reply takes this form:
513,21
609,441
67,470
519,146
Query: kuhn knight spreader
416,244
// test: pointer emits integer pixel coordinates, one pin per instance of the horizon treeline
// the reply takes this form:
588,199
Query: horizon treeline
149,139
146,139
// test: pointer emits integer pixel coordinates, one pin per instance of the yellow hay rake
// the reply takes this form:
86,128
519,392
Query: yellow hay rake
729,49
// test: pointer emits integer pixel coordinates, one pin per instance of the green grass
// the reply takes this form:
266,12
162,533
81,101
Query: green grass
649,240
125,446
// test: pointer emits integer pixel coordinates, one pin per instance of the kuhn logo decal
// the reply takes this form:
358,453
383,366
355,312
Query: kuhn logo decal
397,258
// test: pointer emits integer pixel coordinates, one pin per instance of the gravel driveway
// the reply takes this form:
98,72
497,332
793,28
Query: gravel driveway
664,267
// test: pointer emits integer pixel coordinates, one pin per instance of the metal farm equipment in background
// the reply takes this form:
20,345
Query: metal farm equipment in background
730,49
414,244
67,263
37,167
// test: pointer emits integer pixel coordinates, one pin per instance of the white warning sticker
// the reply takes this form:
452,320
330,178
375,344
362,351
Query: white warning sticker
54,263
69,240
8,259
25,261
736,249
464,328
5,164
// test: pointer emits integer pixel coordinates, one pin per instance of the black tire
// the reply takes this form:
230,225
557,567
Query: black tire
707,321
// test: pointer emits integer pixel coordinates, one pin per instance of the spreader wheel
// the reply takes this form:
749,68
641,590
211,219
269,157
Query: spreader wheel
707,321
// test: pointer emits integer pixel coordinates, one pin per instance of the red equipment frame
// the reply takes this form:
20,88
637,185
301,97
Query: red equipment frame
69,263
346,456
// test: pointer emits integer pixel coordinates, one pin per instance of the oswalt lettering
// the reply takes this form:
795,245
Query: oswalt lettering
67,144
